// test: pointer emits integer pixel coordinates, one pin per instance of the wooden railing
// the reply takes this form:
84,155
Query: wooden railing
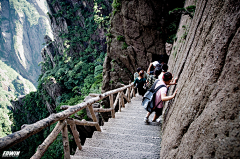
63,119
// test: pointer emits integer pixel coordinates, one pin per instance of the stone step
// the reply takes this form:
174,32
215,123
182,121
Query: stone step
138,108
128,113
82,157
134,114
137,116
133,109
121,145
124,116
132,120
127,137
127,125
119,130
97,152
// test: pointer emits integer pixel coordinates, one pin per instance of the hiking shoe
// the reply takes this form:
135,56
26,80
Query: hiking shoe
146,120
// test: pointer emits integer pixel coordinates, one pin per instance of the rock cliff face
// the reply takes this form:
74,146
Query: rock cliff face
23,26
203,119
137,37
71,22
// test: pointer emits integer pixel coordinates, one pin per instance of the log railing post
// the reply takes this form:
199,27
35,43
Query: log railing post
123,104
49,140
75,133
124,96
65,142
120,101
129,92
94,117
128,95
112,106
116,100
134,95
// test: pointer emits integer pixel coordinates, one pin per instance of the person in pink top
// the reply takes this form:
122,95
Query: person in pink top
161,96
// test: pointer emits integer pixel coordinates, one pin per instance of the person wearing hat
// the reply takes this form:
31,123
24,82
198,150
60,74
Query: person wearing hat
154,65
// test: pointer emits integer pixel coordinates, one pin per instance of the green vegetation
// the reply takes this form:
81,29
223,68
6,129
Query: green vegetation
120,38
124,45
185,28
173,21
12,85
78,72
191,8
116,6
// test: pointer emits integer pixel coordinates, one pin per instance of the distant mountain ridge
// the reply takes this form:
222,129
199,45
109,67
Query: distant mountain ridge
23,24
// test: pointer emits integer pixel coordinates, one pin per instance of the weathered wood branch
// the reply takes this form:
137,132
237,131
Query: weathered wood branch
120,101
16,137
64,107
131,94
24,126
75,133
116,100
84,122
102,109
93,94
126,98
49,140
112,106
65,142
133,91
122,95
128,95
94,117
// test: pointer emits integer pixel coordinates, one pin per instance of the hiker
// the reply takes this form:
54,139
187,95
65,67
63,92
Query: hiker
154,65
140,83
163,59
164,70
152,78
161,96
136,74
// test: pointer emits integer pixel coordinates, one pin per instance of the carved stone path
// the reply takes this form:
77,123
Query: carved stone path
126,136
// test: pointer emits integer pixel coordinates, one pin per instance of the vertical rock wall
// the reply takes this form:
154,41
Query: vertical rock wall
23,26
203,120
135,39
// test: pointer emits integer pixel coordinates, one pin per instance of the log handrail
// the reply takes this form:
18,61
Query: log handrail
62,117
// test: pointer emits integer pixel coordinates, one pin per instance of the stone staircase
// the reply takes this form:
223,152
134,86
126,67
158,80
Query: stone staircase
126,136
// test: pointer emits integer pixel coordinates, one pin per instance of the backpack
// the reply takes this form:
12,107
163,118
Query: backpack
148,101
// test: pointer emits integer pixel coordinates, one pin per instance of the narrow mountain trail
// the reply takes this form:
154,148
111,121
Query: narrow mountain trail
125,136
